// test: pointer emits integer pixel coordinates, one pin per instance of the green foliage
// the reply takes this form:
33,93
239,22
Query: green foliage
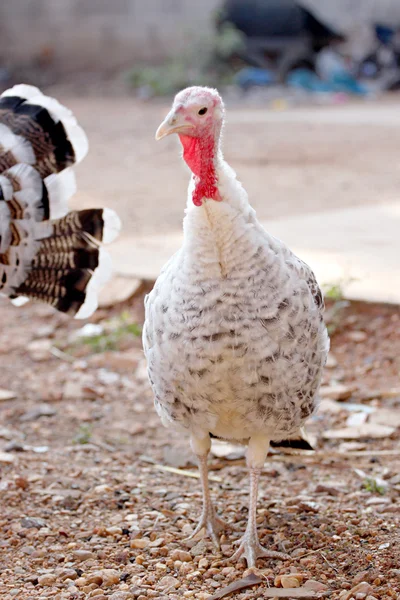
371,485
334,291
83,435
203,62
115,331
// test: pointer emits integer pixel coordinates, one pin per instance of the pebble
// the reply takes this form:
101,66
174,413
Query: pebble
114,530
336,391
199,549
331,362
140,543
121,596
107,577
299,552
187,529
289,581
43,410
357,336
32,522
7,395
316,586
181,555
360,591
47,579
67,574
39,350
169,582
81,555
203,563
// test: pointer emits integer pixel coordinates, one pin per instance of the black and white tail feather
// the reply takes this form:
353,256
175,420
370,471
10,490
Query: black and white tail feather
46,252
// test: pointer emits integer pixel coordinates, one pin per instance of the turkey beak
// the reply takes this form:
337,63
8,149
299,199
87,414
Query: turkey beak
173,123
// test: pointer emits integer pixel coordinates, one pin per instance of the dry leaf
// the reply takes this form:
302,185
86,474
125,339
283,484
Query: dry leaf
366,430
274,592
238,585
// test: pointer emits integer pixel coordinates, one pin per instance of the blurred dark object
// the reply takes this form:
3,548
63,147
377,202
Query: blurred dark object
280,34
384,62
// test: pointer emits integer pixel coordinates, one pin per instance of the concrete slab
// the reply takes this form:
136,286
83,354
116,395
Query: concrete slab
357,247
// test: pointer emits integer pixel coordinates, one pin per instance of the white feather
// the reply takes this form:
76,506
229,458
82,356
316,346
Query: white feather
112,225
22,90
19,146
61,187
100,277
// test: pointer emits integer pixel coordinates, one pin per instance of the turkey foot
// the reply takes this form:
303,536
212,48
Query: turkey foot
211,524
251,549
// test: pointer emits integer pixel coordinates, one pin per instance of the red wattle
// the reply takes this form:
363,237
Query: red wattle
199,154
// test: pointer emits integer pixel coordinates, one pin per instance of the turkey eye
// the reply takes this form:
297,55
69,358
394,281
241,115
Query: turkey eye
203,111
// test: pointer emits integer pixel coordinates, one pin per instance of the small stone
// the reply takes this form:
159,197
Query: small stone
203,563
33,522
114,530
316,586
299,552
187,529
39,350
199,549
168,583
161,566
73,390
331,362
336,392
109,577
357,336
47,579
156,543
326,489
140,543
181,555
121,596
67,574
6,395
43,410
290,581
81,555
362,588
96,578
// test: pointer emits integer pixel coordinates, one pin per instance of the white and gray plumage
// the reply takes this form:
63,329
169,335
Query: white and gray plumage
234,333
46,252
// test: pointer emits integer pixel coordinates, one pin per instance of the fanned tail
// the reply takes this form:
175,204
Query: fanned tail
45,253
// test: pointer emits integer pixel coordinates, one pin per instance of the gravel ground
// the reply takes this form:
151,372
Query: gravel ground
90,511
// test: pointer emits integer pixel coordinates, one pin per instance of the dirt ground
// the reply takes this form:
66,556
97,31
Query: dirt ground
290,162
90,509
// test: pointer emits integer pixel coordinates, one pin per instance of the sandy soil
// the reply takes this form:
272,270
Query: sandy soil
291,162
89,511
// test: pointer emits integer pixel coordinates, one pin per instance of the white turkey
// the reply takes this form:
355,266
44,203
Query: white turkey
234,333
46,252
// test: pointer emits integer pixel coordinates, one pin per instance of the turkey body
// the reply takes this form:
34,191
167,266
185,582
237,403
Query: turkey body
234,335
